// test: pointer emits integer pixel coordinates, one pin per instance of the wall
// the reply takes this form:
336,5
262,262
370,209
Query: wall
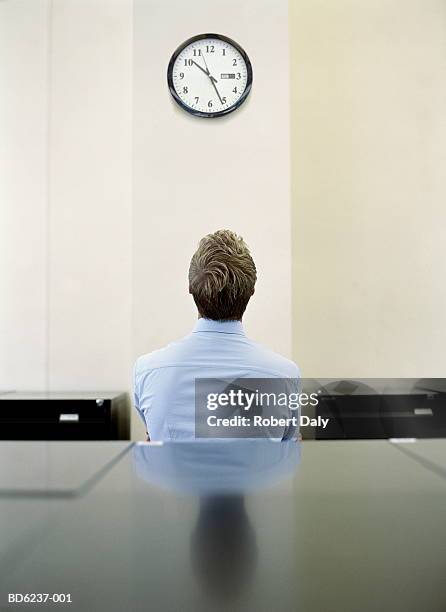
97,235
23,193
90,265
82,291
244,157
65,164
369,187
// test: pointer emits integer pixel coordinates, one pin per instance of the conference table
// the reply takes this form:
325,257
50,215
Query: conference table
320,526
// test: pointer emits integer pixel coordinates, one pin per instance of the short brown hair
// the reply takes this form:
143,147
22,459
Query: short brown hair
222,276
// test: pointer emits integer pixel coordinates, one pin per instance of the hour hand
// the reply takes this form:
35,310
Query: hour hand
201,68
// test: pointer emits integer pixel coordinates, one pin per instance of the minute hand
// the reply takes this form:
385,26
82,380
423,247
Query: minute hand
207,73
215,87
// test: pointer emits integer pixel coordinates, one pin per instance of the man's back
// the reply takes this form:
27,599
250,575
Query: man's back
164,381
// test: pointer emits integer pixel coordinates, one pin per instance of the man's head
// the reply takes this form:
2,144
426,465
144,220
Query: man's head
222,276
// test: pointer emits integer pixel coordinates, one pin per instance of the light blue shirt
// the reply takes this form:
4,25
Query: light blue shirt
164,381
213,467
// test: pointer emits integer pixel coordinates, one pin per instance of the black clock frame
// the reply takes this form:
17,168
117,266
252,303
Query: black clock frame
197,113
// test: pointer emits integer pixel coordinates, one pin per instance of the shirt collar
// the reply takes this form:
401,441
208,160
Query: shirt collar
225,327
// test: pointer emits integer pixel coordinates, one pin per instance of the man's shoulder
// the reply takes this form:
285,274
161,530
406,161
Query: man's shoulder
160,358
250,354
277,363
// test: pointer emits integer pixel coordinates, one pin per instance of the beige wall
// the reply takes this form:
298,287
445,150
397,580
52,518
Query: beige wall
369,187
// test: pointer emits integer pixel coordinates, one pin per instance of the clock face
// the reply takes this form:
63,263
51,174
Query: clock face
209,75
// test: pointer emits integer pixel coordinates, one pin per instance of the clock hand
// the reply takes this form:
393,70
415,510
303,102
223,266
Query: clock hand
207,73
200,67
213,80
215,87
207,69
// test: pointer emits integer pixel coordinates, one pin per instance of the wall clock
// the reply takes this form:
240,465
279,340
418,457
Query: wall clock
209,75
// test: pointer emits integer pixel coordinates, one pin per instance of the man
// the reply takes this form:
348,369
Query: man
222,277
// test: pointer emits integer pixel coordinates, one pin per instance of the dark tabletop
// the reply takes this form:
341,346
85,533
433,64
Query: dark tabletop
325,526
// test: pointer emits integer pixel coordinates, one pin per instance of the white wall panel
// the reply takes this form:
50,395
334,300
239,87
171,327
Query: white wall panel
90,195
23,193
193,176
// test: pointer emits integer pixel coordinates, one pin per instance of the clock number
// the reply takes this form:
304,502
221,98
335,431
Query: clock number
239,76
188,62
197,52
185,90
223,100
210,104
235,90
210,48
196,99
234,62
181,75
223,51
